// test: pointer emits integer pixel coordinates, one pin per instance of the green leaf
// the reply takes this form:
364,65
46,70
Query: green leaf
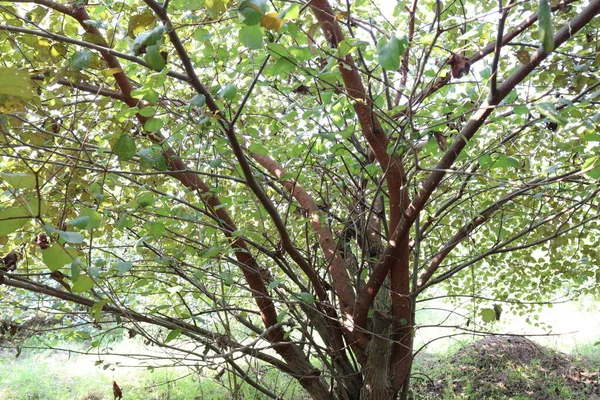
281,316
488,315
147,111
228,92
251,36
521,110
156,229
258,149
80,60
545,26
83,284
96,23
79,222
251,12
124,148
389,52
199,274
592,167
56,256
96,309
291,12
198,100
174,334
145,199
123,266
153,125
17,83
155,36
95,219
273,284
12,218
71,237
485,160
227,278
155,60
202,35
19,181
75,270
505,162
306,297
549,111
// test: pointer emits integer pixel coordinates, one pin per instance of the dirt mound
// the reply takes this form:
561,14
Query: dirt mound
499,367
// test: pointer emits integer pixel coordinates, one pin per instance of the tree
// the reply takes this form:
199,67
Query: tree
283,181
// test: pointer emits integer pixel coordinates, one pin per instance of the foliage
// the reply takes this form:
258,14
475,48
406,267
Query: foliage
280,182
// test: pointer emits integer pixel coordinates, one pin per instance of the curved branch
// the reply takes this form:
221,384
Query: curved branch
481,218
363,106
471,127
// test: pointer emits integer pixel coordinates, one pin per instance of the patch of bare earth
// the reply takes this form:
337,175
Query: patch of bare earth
499,367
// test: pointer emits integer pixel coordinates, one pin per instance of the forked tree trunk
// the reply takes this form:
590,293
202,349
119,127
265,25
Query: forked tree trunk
377,381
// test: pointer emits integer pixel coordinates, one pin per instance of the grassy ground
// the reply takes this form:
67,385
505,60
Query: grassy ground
52,375
494,368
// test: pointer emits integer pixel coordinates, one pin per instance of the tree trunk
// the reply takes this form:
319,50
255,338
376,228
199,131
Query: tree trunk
376,378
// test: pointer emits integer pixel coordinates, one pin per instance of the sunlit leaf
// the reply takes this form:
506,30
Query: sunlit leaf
14,82
389,52
251,37
174,334
12,218
19,181
96,309
504,161
153,125
56,256
83,284
291,12
549,111
217,7
488,315
272,21
111,71
138,22
591,166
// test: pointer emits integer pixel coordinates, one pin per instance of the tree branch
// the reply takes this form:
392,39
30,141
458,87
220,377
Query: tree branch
471,127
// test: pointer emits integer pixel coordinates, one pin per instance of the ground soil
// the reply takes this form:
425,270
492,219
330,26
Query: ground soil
509,367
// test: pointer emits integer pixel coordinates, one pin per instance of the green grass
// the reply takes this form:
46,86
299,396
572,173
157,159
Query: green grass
52,375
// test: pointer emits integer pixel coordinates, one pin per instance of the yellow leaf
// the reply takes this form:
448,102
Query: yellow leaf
217,7
11,106
111,71
138,23
523,56
17,83
272,21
